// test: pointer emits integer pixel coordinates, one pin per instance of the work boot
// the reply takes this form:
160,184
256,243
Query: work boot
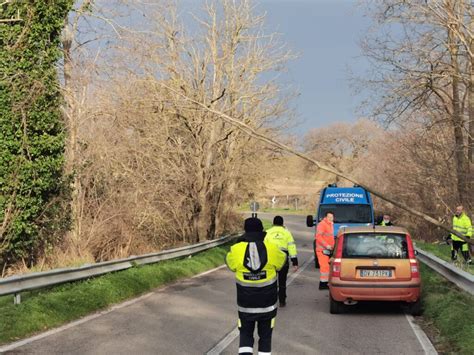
467,257
323,285
454,255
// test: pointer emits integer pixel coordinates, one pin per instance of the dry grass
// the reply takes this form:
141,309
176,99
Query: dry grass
287,179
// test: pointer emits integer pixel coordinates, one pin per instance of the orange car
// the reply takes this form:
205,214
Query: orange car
374,264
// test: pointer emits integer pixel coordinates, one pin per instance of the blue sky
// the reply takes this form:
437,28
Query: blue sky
326,34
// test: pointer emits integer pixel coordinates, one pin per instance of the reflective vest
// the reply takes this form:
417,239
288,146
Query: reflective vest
255,265
282,238
462,224
324,235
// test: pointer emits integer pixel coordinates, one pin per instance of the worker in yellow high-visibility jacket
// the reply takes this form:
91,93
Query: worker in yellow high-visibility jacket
282,238
462,224
255,263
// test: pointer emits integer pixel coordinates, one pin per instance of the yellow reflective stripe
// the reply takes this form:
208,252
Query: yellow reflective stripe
257,310
239,323
324,234
292,249
463,225
322,245
269,269
273,323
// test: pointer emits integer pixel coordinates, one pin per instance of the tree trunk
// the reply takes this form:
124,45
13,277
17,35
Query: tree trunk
71,122
471,94
471,117
457,120
471,112
470,155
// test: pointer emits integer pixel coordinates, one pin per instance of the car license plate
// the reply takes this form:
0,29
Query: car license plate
375,273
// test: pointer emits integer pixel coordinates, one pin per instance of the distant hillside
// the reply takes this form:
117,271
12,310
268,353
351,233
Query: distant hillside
288,176
289,180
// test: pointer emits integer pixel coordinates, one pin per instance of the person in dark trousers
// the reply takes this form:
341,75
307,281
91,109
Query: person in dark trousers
462,224
282,238
255,263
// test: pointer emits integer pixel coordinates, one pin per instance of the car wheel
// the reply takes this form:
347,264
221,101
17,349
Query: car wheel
334,306
415,308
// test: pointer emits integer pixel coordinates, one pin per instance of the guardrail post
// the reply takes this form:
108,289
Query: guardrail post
17,298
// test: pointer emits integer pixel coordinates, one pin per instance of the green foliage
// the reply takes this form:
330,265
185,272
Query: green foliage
267,224
41,310
31,127
449,310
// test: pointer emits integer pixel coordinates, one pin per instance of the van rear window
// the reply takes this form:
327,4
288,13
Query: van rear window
347,213
375,245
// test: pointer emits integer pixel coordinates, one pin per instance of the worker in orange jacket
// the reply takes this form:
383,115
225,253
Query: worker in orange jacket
324,247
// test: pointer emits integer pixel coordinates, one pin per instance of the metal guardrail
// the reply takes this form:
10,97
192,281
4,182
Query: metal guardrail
460,278
14,285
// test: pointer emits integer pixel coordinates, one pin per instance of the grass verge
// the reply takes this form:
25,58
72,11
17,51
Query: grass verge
267,224
448,317
443,251
44,309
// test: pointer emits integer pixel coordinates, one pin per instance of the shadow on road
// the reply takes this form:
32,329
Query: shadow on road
375,308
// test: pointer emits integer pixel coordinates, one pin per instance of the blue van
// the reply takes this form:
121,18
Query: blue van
352,206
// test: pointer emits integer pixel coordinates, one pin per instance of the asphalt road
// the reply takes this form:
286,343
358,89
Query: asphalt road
195,316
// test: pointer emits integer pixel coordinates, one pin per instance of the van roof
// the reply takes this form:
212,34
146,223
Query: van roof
345,195
372,229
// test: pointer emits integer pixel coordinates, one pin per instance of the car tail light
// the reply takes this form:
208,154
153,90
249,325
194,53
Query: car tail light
414,269
336,268
415,272
336,264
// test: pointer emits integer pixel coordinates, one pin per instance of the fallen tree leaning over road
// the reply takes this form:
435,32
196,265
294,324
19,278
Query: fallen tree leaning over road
253,133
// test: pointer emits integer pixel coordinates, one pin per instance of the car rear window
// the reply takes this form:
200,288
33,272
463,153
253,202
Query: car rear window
375,245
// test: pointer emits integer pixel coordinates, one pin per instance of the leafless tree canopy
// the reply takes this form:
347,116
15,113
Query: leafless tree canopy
422,55
422,87
342,145
151,169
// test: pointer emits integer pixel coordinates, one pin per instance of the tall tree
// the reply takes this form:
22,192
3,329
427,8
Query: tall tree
422,74
31,126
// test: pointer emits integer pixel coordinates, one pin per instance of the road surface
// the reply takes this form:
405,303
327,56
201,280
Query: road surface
198,315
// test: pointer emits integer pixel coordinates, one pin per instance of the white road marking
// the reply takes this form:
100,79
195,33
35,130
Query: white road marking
425,342
225,342
234,333
32,339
